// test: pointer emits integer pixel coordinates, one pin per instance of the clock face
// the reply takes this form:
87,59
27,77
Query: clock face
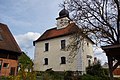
63,22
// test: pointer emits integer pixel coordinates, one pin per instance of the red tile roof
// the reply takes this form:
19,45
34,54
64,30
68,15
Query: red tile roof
7,41
116,71
54,32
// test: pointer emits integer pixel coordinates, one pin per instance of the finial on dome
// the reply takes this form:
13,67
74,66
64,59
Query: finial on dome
64,12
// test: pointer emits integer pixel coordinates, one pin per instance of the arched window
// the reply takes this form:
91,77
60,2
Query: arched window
89,62
46,61
46,46
63,60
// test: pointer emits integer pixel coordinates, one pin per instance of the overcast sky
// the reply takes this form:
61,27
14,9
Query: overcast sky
28,19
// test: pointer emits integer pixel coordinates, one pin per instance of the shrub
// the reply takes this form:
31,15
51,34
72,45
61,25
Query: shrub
90,77
68,75
97,70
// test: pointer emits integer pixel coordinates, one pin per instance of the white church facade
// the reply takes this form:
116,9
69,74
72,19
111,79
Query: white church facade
50,47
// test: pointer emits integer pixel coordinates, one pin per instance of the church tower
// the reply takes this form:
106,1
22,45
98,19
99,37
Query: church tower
63,20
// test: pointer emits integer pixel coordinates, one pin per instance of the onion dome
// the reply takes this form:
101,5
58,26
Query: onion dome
64,13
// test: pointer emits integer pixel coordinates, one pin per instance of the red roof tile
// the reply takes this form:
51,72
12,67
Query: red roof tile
7,41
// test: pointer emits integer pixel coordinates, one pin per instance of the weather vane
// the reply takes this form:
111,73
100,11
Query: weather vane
64,4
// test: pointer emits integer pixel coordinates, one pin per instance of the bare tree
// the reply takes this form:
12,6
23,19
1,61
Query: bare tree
99,19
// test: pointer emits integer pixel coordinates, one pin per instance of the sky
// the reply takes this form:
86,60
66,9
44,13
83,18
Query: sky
28,19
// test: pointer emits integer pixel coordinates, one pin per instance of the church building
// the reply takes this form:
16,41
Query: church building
50,48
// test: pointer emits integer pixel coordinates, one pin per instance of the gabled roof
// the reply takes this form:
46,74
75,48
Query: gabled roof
54,32
7,41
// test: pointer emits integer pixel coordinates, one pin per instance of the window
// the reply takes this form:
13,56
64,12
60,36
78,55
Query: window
46,46
1,64
46,61
5,65
63,44
87,44
1,38
63,60
89,62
